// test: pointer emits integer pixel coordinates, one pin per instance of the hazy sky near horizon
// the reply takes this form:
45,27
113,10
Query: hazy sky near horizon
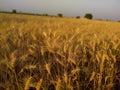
101,9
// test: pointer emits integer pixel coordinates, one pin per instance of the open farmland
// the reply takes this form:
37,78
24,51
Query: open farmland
60,53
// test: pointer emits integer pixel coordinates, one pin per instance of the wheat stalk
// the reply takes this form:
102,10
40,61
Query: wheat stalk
27,83
39,83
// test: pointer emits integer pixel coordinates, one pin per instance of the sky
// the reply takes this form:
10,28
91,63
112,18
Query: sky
100,9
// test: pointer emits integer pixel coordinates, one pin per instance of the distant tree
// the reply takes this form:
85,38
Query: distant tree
46,15
88,16
14,11
60,15
77,16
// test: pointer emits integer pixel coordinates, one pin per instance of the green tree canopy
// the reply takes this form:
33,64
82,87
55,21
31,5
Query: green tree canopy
14,11
60,15
88,16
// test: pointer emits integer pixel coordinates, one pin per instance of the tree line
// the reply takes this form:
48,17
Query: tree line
87,15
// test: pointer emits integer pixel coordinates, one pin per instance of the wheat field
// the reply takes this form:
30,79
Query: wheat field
52,53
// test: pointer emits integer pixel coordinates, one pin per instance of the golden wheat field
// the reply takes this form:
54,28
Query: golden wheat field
52,53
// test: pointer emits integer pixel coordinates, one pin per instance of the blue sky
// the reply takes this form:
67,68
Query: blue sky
101,9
